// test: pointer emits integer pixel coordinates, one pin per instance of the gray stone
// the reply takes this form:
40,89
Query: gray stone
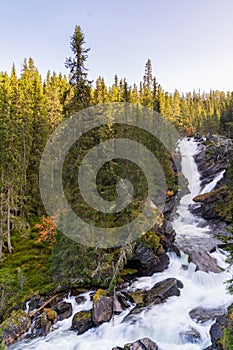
141,344
102,310
204,261
201,315
191,336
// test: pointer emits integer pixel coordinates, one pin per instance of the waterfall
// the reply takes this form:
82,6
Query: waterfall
167,323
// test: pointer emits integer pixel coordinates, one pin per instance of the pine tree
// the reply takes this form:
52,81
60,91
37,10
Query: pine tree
147,97
78,72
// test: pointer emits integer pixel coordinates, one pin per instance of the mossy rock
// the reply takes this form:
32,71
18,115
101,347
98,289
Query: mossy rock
82,321
14,326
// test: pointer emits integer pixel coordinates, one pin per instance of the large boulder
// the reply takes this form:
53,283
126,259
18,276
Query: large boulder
14,326
202,315
159,293
141,344
102,310
82,322
204,261
63,309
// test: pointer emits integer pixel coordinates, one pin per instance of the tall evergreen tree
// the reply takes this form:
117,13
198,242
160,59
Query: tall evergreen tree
78,72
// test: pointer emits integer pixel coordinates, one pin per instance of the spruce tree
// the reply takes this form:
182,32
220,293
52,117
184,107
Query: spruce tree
78,72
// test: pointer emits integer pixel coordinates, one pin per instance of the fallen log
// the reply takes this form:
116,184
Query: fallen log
42,307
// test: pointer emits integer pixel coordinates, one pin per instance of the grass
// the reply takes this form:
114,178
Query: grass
26,272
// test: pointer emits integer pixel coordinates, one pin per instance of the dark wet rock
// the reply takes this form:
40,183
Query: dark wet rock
102,310
218,331
191,336
156,295
38,301
201,315
147,262
168,230
120,302
169,206
141,344
63,309
82,322
14,326
80,299
35,303
122,286
204,261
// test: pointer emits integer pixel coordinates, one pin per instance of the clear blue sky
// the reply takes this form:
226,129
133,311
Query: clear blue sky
189,42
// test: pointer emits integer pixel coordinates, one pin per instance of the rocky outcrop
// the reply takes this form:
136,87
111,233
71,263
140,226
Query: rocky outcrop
204,262
13,327
146,261
141,344
213,158
213,204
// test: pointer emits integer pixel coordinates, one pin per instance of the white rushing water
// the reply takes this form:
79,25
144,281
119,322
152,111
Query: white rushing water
168,322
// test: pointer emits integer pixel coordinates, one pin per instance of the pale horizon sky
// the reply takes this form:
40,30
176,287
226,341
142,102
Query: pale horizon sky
189,42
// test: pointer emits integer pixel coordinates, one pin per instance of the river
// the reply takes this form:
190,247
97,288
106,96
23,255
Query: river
169,323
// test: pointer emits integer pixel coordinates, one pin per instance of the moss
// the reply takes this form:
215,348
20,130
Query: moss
227,340
137,298
51,314
126,272
221,201
43,319
151,240
83,315
25,273
212,196
99,294
17,324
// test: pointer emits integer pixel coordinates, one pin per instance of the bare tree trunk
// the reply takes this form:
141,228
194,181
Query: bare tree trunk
1,227
1,215
9,221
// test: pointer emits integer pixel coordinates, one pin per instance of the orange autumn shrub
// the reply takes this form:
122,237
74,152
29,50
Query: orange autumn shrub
47,229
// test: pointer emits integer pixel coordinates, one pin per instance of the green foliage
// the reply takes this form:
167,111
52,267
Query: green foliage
24,273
